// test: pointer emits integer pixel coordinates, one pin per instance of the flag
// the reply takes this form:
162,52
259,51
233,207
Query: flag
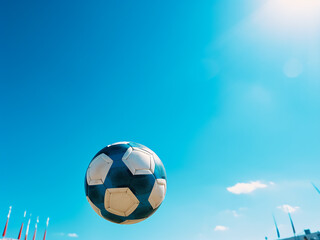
27,231
19,237
315,187
45,232
6,226
275,223
293,229
35,230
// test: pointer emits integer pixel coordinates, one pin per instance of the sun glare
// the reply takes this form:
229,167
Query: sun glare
297,10
290,17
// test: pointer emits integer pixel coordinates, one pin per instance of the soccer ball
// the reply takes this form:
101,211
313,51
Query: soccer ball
125,183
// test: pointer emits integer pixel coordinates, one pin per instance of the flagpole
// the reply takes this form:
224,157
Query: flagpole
24,216
292,225
315,187
35,230
276,225
27,231
6,226
45,232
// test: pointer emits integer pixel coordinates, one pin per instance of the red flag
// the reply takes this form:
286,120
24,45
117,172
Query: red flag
34,235
20,231
5,228
19,237
35,230
45,234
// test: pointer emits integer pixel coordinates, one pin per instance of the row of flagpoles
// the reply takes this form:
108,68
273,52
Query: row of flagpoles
292,225
27,229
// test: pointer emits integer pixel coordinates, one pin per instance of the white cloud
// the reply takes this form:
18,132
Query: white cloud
235,214
288,209
245,188
73,235
221,228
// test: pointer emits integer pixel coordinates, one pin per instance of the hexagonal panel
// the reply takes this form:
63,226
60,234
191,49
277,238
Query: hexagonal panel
142,185
98,169
117,143
97,210
120,201
158,193
119,176
139,161
133,221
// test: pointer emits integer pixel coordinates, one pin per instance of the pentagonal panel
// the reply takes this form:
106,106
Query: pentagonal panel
98,169
138,161
158,193
120,201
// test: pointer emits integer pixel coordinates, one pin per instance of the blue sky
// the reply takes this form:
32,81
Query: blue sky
225,92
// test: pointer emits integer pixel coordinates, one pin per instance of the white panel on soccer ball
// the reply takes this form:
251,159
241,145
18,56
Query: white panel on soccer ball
139,161
158,193
98,169
133,221
97,210
120,201
127,153
117,143
156,158
154,155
